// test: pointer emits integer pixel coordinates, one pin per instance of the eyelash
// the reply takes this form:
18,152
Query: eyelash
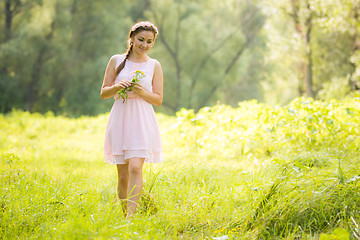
141,40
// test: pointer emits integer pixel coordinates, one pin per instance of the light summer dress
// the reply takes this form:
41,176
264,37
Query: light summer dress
132,129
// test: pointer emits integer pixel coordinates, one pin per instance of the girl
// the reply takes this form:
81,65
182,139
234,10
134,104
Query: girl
132,135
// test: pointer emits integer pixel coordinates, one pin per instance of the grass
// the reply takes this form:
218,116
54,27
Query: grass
252,172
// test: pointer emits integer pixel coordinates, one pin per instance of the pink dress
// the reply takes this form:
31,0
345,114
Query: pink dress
132,129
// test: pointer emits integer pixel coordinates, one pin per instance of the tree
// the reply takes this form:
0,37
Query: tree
213,46
302,15
313,53
57,52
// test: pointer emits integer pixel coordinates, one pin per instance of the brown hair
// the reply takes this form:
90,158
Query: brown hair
138,27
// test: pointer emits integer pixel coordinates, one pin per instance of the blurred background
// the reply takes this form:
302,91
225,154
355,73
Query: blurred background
53,53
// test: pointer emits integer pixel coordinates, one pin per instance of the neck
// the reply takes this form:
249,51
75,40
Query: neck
138,57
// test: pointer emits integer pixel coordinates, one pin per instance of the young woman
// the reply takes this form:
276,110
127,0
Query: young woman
132,135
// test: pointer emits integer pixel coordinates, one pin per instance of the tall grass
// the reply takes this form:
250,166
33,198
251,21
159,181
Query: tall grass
252,172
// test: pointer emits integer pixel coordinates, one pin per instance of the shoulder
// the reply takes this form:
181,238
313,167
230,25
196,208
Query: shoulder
157,68
117,57
156,63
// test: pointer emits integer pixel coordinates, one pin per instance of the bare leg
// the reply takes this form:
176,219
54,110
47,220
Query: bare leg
135,184
122,187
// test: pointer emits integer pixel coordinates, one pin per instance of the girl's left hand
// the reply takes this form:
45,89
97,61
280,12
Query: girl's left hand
137,88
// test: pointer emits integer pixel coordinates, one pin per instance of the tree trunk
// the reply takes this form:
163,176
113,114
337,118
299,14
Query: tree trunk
8,20
227,71
174,53
353,81
201,66
304,30
308,79
36,74
177,63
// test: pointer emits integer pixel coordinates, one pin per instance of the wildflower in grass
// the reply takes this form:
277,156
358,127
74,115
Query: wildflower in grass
220,230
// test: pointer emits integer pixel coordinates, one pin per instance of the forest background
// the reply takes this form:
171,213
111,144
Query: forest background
53,53
281,166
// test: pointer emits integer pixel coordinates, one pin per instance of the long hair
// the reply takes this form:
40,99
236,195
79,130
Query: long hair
138,27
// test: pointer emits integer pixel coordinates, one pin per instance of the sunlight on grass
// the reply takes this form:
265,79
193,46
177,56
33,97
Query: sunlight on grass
250,172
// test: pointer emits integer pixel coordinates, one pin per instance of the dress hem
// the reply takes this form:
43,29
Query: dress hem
113,159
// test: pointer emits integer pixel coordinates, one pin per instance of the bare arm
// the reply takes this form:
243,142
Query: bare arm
108,89
155,97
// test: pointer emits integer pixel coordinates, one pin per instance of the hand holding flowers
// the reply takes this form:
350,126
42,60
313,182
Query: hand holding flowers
123,93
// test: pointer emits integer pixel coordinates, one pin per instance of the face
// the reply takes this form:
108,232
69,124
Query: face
143,41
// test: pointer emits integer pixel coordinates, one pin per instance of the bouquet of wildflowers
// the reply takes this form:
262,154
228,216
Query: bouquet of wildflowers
123,93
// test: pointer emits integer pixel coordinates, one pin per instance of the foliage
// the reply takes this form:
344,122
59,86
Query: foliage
333,47
57,53
251,172
53,53
257,129
221,53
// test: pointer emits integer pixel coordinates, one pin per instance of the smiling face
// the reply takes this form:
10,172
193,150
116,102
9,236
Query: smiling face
142,42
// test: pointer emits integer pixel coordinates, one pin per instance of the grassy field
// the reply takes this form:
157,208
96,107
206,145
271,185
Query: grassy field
251,172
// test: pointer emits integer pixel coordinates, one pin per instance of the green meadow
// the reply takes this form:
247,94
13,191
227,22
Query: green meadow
253,171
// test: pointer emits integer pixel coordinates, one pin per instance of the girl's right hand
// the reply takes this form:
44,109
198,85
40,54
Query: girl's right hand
122,84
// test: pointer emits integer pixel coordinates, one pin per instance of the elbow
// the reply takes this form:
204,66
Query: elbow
102,95
159,103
